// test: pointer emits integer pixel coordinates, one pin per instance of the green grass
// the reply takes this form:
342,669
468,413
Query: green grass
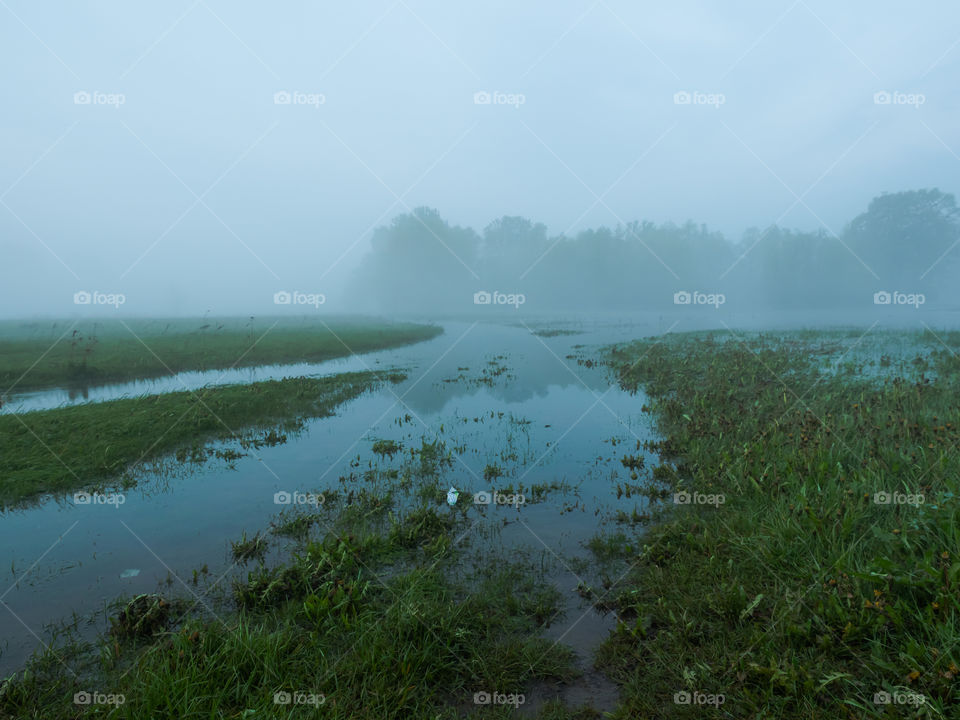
247,548
63,353
78,447
401,648
379,616
799,596
386,447
555,332
293,524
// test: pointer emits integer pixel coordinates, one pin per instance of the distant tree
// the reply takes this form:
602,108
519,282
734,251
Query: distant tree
512,235
419,262
903,235
510,249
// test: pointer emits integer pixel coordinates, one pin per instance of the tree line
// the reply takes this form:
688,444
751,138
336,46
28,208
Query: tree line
903,242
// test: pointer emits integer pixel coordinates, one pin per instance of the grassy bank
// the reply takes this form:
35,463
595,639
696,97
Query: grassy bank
382,609
74,448
64,353
785,583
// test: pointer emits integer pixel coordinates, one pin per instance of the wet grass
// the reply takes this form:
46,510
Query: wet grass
386,447
247,548
804,593
69,354
83,446
379,615
555,332
293,524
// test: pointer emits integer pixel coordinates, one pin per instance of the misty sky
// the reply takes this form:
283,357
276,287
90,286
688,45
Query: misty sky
180,181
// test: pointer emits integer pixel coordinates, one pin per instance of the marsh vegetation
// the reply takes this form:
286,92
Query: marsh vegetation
741,542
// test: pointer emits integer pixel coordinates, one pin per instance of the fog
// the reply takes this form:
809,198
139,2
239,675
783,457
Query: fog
393,157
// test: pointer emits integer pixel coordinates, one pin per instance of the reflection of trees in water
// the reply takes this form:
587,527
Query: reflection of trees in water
82,392
533,370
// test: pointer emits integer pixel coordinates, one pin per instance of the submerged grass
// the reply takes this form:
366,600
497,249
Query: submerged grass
375,618
63,353
74,448
823,578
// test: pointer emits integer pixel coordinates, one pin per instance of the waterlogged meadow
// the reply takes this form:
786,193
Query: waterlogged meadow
74,448
419,553
446,361
824,582
80,353
534,523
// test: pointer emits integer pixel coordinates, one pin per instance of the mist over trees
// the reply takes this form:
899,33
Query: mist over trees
903,242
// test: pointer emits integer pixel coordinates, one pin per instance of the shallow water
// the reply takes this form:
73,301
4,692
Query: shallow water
61,558
49,398
618,328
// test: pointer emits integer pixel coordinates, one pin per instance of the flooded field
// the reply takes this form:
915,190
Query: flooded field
505,453
531,415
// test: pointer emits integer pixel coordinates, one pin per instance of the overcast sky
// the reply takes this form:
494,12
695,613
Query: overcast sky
146,151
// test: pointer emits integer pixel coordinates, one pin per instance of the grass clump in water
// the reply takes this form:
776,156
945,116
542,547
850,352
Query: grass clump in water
386,447
247,548
381,624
